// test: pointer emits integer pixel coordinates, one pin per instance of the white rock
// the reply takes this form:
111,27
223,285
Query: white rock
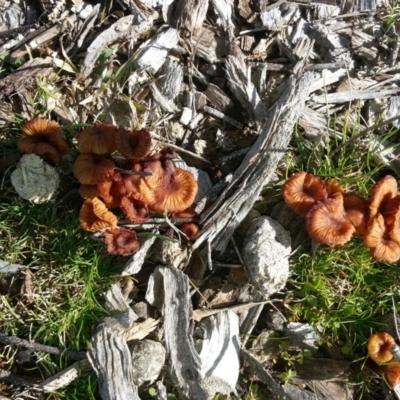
34,179
265,253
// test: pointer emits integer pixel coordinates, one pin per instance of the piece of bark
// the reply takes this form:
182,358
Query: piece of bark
275,391
364,45
135,262
243,89
189,16
43,36
169,288
365,5
25,76
219,354
110,357
394,109
218,98
152,54
66,376
126,28
244,9
170,83
223,217
352,95
166,104
328,78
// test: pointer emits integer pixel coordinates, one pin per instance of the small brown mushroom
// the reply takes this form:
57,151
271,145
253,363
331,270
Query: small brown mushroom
121,241
378,239
302,191
133,144
191,230
44,138
94,216
392,371
379,346
112,190
333,186
134,208
382,192
356,209
90,169
327,223
98,140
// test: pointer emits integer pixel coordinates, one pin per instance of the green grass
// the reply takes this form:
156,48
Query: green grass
342,291
69,272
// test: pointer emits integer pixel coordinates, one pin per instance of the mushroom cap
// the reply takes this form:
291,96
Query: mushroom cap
135,209
133,144
90,169
94,216
356,209
379,346
175,196
382,192
333,186
392,210
88,191
392,371
121,241
191,230
378,239
44,138
98,140
112,190
327,223
302,190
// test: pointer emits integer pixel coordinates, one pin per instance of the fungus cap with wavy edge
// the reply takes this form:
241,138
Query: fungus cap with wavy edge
356,209
333,186
133,144
382,192
327,223
121,241
112,190
379,345
135,209
44,138
191,230
392,371
94,216
302,190
377,238
98,140
175,197
90,169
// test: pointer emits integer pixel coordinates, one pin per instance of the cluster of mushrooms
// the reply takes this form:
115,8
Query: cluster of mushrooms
141,183
333,216
381,347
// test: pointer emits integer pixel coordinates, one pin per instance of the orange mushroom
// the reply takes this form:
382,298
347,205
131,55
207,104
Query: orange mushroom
302,191
382,192
379,346
327,223
98,140
356,209
91,169
378,239
94,216
173,193
44,138
133,144
112,190
191,230
88,191
392,371
121,241
135,209
333,186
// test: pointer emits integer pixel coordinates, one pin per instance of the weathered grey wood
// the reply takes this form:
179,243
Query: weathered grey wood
276,391
364,45
351,95
8,268
223,217
169,288
66,376
135,262
189,16
218,98
243,89
111,359
170,83
152,54
126,28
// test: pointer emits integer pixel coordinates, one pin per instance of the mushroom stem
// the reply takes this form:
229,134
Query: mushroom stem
130,172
